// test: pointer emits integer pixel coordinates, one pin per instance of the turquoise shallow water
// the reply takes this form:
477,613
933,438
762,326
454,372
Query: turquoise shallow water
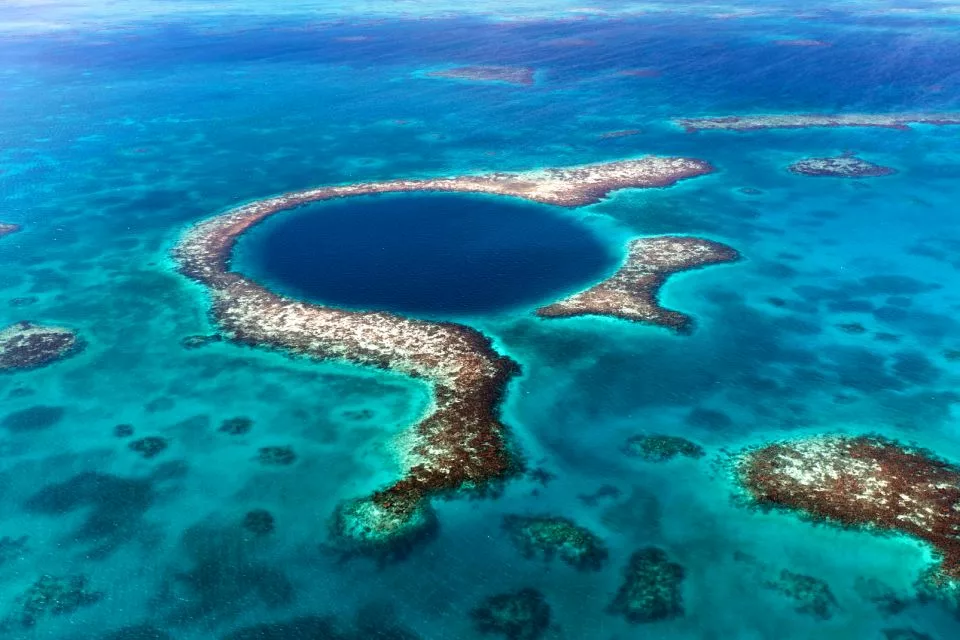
115,140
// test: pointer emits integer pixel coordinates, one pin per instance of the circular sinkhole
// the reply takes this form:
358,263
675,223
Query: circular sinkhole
424,254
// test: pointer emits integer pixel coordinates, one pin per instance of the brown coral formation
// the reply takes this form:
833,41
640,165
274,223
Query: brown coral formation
25,345
487,73
843,166
7,228
862,481
461,442
632,292
803,121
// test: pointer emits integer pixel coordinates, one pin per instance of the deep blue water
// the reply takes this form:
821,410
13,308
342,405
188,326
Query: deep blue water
425,254
117,133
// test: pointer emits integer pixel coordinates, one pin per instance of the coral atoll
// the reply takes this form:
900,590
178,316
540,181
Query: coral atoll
487,73
802,121
25,345
518,615
461,443
867,481
842,166
651,588
554,536
631,293
660,447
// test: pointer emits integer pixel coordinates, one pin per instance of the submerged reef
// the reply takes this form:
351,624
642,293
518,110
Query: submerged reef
865,481
631,293
25,345
812,595
487,73
365,526
651,588
149,447
259,522
842,166
552,536
238,426
276,456
803,121
461,443
7,228
660,448
54,595
518,615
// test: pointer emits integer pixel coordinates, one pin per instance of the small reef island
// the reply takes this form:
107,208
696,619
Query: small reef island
863,481
846,165
522,76
631,292
803,121
461,442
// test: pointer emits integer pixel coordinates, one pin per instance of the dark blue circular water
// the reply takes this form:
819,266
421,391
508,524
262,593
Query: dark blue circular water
424,254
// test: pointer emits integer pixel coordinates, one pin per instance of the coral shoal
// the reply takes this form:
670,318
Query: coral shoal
517,615
511,75
652,588
802,121
555,536
25,345
632,292
844,166
461,442
7,228
861,481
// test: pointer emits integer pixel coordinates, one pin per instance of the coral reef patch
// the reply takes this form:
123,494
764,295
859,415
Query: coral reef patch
812,596
842,166
864,481
53,596
487,73
149,447
661,447
632,292
518,615
652,588
25,345
803,121
554,536
461,443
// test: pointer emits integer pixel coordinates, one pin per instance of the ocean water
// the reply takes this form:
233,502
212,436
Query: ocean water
120,128
429,254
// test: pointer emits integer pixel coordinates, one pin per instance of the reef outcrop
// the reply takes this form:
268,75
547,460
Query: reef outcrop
25,345
661,447
846,165
52,596
651,588
461,443
804,121
864,481
7,228
554,536
487,73
632,292
518,615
